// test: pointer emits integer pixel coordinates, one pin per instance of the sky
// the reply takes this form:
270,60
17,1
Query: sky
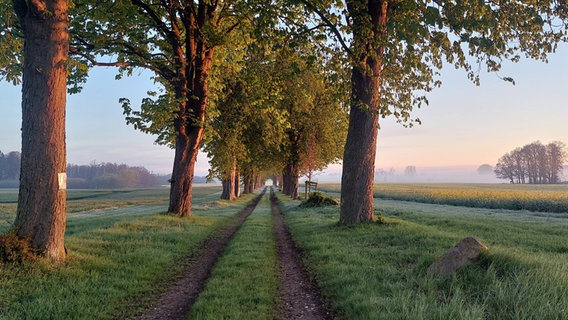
463,127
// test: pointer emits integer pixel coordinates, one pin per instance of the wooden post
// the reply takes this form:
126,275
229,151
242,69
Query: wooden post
309,184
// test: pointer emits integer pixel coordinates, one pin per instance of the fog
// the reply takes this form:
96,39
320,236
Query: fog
460,174
454,174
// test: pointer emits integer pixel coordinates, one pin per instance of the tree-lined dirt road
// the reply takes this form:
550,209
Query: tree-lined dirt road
299,297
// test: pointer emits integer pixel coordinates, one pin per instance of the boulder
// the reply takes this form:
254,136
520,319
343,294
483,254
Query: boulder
466,252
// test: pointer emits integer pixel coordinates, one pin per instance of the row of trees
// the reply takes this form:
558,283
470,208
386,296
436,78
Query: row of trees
534,163
95,175
110,176
394,49
10,165
281,112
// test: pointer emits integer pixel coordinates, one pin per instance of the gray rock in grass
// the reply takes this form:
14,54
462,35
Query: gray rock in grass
466,252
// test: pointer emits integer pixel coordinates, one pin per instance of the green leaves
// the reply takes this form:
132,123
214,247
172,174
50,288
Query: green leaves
419,37
11,44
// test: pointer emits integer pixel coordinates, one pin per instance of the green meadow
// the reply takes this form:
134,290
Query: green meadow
378,271
123,249
119,257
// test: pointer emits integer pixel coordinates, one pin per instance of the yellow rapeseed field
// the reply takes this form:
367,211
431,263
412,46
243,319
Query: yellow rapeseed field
542,198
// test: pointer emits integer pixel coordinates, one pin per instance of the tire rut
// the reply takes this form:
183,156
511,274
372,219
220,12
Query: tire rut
181,294
300,297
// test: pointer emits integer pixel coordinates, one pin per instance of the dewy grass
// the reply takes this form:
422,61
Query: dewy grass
540,198
243,283
113,270
375,271
104,207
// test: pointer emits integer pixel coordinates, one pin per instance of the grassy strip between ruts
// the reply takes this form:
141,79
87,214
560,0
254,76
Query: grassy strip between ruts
114,269
243,283
378,271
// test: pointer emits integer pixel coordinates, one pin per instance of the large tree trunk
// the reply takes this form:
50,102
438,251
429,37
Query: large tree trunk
249,183
358,168
228,183
192,89
228,192
286,182
360,148
41,201
257,182
187,148
290,178
291,172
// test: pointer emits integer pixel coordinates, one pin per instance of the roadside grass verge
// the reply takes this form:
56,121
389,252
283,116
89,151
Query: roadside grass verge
538,198
243,283
114,269
375,271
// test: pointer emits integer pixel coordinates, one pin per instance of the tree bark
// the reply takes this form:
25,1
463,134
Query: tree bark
237,183
290,178
228,183
181,190
360,148
249,183
257,182
286,182
192,89
41,200
228,192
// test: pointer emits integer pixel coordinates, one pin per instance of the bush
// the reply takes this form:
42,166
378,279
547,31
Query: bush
14,249
318,199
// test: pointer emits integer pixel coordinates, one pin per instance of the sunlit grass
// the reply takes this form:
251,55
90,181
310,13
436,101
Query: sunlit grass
539,198
120,259
117,264
105,203
375,271
243,283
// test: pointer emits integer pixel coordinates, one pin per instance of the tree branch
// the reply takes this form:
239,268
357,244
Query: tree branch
160,25
328,23
231,28
94,62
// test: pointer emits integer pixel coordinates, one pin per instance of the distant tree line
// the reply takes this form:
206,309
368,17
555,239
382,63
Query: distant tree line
10,165
94,175
110,175
534,163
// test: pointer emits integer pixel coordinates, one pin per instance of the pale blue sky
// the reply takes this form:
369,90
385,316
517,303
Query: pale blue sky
468,125
464,125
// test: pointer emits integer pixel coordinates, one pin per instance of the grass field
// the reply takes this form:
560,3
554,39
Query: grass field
118,259
378,271
122,251
539,198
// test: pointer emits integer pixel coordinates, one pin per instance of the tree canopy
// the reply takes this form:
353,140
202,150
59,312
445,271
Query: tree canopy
397,49
282,106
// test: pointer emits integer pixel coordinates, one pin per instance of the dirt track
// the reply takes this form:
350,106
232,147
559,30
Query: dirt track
176,302
299,296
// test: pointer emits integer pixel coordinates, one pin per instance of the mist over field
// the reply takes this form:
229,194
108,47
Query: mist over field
457,174
450,174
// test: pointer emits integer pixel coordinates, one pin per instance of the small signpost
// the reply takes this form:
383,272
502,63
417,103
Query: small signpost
309,185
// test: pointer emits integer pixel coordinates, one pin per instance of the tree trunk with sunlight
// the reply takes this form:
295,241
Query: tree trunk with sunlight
42,195
360,149
191,88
